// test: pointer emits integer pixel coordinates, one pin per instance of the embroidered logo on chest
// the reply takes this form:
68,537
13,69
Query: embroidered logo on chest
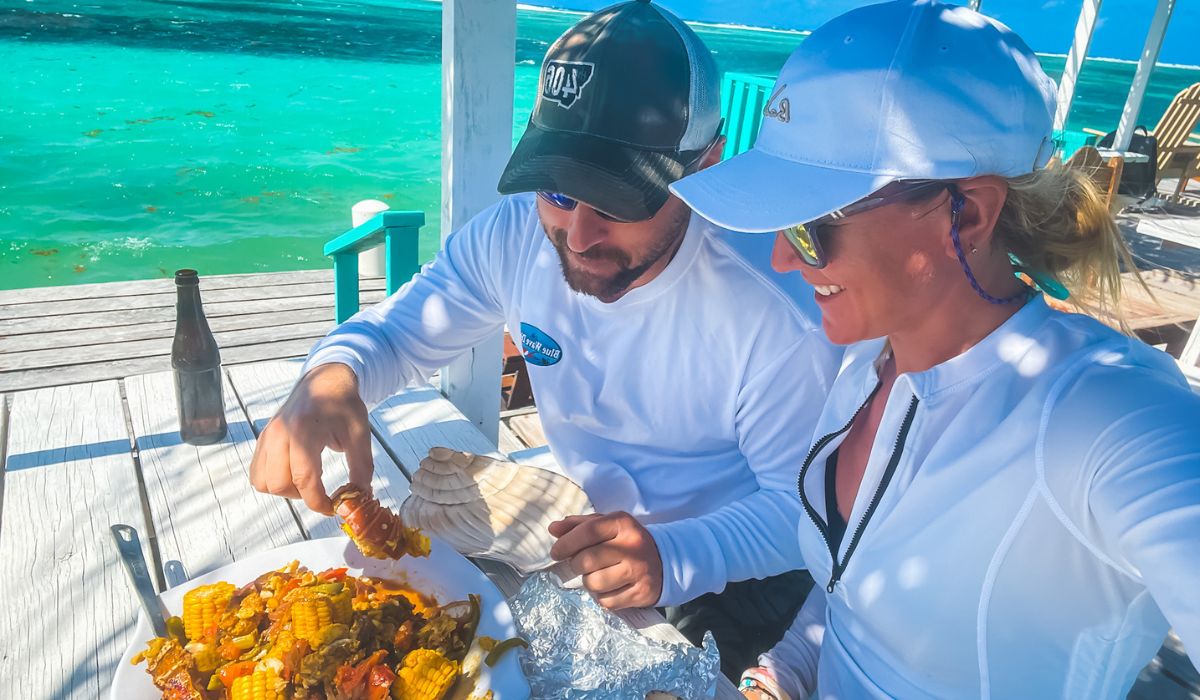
563,81
539,348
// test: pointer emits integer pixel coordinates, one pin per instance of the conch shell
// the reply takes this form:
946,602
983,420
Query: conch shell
491,508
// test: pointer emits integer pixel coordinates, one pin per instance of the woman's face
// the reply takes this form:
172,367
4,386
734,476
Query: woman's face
883,267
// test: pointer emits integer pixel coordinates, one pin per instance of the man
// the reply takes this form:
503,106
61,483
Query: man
674,381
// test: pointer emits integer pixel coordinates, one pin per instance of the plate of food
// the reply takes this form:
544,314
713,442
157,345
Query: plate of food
319,620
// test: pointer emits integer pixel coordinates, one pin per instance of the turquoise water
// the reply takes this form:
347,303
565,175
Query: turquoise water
147,135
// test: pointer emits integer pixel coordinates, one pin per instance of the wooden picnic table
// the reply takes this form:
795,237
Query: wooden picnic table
80,457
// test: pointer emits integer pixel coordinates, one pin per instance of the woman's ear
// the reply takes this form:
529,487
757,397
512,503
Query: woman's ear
984,198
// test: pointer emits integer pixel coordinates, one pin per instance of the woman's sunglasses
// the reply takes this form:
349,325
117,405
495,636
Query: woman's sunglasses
806,238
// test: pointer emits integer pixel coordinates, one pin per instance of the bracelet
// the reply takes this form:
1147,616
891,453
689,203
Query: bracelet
748,683
761,679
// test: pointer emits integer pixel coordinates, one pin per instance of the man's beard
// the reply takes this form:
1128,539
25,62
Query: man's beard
609,287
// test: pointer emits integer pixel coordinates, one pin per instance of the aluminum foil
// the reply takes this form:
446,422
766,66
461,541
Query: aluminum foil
579,650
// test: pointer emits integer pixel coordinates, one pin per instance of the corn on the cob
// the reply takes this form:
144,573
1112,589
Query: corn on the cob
203,607
263,684
311,616
424,675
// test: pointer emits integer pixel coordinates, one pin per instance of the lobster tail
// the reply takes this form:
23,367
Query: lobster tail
378,532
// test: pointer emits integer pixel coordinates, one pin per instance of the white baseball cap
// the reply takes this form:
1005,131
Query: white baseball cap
896,91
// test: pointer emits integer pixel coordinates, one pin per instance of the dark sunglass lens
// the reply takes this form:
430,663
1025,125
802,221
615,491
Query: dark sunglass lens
556,199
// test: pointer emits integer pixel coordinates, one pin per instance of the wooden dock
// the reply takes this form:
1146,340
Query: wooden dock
52,336
66,335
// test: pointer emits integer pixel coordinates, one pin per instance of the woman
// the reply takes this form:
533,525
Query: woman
1002,499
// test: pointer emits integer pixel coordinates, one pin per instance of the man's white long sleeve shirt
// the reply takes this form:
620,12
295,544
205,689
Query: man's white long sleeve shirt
688,402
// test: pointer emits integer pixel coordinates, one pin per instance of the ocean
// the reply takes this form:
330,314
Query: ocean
234,135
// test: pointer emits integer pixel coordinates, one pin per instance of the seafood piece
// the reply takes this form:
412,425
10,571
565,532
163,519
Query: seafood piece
378,532
491,508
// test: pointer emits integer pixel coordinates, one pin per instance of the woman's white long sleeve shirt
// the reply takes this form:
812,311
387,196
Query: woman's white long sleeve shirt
1036,519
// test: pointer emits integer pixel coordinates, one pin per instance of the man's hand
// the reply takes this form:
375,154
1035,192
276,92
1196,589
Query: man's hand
616,556
323,410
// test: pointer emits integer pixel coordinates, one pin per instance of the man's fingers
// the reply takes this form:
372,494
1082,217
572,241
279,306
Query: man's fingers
359,457
619,599
591,531
270,469
595,559
558,528
306,476
607,580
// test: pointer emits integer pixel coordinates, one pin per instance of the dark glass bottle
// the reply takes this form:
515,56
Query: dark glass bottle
196,360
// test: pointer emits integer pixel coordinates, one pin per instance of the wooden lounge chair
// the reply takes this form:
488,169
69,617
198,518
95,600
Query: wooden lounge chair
1104,172
1178,150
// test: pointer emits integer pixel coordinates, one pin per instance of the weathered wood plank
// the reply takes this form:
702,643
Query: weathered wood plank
262,388
164,284
3,450
528,428
126,317
67,611
75,339
205,512
1173,300
167,299
508,442
411,422
74,374
158,347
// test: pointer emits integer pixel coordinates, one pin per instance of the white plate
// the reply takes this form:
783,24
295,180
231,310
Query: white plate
446,574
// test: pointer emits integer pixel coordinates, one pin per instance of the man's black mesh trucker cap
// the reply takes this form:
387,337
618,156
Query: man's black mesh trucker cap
629,97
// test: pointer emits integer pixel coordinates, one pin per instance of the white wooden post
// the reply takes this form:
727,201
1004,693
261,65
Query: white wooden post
1079,48
1133,105
370,262
478,61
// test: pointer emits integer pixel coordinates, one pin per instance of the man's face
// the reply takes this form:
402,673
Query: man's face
604,258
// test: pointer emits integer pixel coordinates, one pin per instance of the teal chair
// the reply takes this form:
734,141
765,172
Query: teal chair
397,232
743,97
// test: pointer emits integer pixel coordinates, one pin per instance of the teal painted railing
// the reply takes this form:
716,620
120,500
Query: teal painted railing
397,232
743,97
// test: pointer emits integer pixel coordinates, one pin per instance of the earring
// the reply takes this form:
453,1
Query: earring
974,250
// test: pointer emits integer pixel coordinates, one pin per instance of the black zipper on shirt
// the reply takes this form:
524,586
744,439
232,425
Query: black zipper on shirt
822,527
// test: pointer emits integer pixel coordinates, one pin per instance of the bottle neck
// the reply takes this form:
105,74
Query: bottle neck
187,302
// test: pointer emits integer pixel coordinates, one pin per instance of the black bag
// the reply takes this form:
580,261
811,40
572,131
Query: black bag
1137,179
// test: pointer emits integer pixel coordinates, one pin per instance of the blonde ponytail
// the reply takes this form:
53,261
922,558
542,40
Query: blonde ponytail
1057,222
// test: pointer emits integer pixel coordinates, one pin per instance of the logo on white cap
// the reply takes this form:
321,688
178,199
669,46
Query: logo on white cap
563,81
783,112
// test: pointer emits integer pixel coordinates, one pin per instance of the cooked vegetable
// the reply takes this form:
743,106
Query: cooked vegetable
424,675
311,616
203,606
498,649
263,684
292,634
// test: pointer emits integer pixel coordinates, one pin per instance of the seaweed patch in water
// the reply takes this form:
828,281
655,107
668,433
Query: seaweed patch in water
44,252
